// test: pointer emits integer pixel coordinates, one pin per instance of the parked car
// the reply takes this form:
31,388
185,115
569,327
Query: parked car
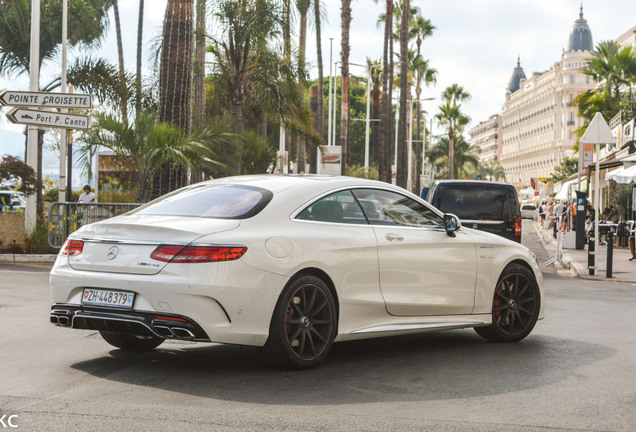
291,264
484,205
528,211
12,200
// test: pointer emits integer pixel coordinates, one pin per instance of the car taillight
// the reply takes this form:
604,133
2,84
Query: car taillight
72,247
518,227
197,254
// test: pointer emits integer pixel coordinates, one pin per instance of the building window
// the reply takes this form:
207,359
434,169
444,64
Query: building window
572,79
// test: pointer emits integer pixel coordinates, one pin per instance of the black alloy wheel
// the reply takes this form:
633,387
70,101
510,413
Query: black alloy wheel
515,306
303,325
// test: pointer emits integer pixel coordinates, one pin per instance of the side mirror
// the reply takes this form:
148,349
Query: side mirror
451,224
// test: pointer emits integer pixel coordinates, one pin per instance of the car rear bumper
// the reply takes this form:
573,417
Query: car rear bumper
211,299
167,326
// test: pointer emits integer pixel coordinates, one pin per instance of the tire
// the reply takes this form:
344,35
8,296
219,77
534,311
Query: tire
516,304
303,325
128,342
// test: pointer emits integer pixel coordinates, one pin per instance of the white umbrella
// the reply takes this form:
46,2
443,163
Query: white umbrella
623,176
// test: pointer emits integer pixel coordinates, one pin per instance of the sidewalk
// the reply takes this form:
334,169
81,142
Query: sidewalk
623,270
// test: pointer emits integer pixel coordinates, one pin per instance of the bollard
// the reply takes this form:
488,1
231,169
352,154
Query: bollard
590,254
610,253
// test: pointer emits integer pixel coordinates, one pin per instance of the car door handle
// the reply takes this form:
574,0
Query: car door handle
391,237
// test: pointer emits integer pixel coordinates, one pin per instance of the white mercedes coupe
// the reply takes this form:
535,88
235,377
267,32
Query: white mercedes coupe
291,264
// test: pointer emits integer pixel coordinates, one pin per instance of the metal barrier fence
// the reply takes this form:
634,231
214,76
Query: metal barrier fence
66,217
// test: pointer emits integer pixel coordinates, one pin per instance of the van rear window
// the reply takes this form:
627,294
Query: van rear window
477,202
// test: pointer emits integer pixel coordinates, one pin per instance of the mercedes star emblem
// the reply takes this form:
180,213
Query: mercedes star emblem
112,253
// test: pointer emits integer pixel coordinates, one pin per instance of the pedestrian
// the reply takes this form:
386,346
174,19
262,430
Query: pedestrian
632,244
87,196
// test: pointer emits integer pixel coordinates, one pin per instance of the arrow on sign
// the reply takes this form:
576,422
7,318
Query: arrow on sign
47,118
45,99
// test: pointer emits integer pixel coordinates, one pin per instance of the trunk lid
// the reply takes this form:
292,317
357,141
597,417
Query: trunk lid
124,244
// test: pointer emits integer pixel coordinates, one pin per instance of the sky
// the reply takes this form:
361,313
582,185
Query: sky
475,43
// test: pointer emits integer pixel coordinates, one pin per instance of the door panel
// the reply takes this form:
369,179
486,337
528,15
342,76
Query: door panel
423,270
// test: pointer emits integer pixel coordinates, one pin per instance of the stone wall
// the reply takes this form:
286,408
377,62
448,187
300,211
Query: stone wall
11,228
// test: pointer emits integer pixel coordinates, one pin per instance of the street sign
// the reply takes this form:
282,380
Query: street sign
45,99
48,119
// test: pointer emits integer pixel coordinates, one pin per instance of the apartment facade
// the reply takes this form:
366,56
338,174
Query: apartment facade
539,116
486,137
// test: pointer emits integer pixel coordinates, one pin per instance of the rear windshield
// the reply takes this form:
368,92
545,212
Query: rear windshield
477,201
213,201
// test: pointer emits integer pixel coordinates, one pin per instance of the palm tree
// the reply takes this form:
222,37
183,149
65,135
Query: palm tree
451,116
247,25
384,156
319,113
140,28
303,8
427,75
175,70
466,159
403,154
120,54
147,146
15,48
614,68
198,106
376,92
344,111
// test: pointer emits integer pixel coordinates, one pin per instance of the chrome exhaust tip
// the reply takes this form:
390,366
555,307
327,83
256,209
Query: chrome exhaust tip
182,333
55,319
163,331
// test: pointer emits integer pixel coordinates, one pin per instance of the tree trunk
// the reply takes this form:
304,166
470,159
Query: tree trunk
344,113
384,164
303,7
199,68
319,113
389,106
403,154
175,72
451,154
261,127
419,141
175,83
314,105
122,74
140,28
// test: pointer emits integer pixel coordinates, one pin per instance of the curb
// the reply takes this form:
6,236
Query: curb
27,258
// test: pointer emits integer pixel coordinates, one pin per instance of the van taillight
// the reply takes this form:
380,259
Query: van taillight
518,227
72,247
197,254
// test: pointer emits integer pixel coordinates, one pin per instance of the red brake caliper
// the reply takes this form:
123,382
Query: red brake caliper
496,303
287,318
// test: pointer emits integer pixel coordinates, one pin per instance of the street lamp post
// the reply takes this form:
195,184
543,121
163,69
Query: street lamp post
335,88
32,141
330,96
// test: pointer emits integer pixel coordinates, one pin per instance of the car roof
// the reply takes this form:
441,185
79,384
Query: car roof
489,182
279,182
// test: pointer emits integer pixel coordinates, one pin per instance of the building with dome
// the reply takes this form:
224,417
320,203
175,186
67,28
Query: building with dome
539,117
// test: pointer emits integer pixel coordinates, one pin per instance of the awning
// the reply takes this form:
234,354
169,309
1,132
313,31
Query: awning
623,175
564,193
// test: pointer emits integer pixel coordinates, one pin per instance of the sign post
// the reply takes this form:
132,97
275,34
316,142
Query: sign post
598,132
48,119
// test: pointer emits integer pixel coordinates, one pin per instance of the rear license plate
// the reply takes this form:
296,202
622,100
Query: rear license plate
99,297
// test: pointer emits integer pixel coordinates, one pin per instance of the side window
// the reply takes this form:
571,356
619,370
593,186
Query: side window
391,208
340,207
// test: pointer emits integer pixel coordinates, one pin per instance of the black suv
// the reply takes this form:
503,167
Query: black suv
483,205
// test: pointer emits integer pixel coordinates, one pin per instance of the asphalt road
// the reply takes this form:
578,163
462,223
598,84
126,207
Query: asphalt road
576,371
